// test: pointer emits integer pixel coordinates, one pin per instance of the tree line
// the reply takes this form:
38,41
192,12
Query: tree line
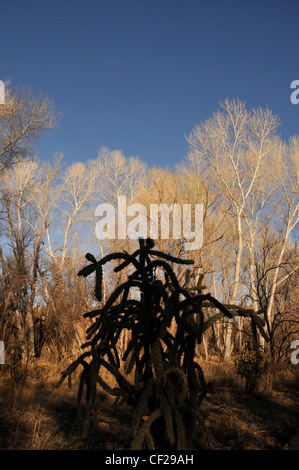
237,166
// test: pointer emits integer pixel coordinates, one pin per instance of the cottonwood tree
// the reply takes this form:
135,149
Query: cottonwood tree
19,187
23,119
286,220
233,150
162,188
119,176
285,314
34,197
75,188
68,227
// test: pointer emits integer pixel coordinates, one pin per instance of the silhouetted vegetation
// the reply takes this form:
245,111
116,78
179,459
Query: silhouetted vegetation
168,383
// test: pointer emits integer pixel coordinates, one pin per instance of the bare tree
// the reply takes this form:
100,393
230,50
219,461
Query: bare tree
233,150
19,187
286,220
23,119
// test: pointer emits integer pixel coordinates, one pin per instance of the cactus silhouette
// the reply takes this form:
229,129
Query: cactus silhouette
168,384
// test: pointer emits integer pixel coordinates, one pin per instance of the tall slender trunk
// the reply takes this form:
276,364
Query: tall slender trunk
228,324
270,307
20,334
29,335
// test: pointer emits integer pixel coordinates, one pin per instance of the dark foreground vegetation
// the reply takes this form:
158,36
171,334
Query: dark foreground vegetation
165,397
36,415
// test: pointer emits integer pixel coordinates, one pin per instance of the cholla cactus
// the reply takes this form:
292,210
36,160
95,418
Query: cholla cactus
168,385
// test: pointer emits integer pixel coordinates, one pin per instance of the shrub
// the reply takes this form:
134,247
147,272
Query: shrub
251,366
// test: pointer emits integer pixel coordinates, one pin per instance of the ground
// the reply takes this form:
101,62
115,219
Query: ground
36,415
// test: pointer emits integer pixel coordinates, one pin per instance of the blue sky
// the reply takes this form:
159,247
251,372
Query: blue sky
139,75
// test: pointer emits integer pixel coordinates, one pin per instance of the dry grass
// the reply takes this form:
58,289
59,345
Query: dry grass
264,420
36,415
